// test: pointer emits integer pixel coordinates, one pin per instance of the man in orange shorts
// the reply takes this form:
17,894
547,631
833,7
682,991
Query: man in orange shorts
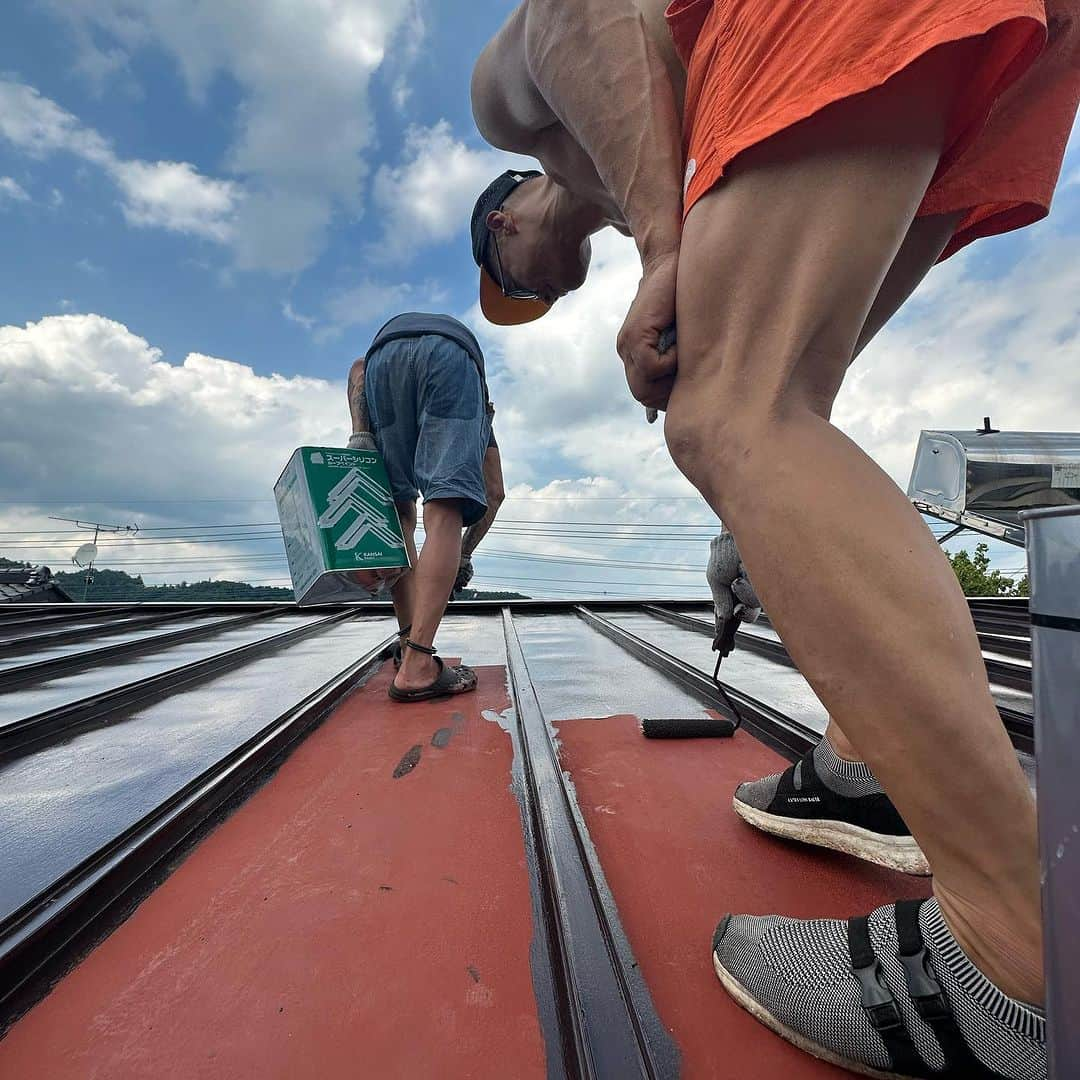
828,155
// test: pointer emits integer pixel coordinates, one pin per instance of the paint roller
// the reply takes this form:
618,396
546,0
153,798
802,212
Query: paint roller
687,728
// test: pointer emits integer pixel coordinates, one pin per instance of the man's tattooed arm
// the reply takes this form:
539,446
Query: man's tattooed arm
357,399
362,438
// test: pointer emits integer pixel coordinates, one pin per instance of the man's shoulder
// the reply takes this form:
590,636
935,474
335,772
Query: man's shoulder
415,324
418,323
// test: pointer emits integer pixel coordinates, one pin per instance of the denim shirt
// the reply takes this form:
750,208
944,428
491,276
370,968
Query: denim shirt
418,323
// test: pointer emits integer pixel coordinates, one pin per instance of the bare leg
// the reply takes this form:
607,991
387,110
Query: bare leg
404,589
433,578
925,241
780,267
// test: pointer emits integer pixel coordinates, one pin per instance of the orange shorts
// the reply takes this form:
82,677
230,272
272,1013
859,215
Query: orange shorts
755,67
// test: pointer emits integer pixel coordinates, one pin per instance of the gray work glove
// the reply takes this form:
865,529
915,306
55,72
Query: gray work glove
362,440
464,574
734,599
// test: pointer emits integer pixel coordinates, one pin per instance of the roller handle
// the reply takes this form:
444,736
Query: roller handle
667,339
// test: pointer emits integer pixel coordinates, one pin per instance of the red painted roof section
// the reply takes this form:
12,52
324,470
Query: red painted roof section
342,922
677,859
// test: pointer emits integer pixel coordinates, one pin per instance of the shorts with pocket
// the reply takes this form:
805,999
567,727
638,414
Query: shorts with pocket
430,420
755,67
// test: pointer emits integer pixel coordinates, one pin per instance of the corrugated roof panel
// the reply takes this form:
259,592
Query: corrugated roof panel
122,729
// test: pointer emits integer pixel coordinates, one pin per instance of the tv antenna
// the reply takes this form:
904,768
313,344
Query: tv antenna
87,553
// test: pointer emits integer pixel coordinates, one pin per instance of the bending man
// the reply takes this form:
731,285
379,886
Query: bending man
789,172
420,396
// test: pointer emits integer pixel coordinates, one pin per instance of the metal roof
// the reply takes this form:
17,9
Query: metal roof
31,585
125,728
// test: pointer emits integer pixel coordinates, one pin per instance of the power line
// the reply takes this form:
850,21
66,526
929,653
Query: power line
500,522
129,500
644,534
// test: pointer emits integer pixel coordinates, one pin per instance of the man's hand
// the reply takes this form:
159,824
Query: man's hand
649,373
464,574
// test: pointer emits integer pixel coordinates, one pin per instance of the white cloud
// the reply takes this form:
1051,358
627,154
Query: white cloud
308,322
1008,347
40,127
88,267
165,194
428,196
303,70
173,195
11,190
558,383
401,93
91,411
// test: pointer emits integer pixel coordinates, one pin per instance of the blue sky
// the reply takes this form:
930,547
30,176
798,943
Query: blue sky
210,207
178,290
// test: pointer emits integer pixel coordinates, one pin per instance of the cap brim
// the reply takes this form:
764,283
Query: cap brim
504,311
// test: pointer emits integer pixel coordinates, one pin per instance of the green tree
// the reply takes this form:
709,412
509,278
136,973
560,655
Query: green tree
977,579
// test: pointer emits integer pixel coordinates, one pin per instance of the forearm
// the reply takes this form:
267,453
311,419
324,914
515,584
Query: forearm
358,409
493,484
622,112
477,531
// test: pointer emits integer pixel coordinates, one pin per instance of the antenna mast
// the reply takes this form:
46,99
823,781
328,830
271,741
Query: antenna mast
86,554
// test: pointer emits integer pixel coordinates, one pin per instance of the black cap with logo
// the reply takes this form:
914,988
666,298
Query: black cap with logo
496,305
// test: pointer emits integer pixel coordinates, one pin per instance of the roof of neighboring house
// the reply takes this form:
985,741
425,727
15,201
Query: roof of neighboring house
324,877
31,585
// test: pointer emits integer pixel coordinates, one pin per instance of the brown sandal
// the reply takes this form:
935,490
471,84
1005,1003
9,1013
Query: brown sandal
449,681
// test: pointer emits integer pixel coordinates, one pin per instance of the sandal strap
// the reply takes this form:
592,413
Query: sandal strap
404,631
879,1004
929,997
926,993
410,644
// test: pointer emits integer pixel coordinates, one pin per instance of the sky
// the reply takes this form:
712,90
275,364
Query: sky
207,210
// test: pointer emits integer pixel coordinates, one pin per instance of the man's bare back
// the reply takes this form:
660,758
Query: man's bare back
594,90
513,114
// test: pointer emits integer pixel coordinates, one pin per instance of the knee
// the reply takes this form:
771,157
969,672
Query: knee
713,447
496,495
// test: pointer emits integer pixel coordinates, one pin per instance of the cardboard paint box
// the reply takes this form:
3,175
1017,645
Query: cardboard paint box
342,533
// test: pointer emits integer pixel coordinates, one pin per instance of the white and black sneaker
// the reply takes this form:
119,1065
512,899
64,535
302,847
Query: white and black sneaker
825,800
890,994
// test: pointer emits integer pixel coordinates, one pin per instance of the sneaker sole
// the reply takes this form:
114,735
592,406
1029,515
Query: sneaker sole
893,852
759,1012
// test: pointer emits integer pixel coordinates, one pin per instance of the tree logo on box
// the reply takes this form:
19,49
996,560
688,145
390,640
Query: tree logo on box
354,494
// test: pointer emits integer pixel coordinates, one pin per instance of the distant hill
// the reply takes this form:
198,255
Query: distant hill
117,585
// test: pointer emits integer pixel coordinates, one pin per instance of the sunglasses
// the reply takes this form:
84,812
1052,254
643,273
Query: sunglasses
509,292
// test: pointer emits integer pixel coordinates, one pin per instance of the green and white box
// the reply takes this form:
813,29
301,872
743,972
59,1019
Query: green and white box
342,532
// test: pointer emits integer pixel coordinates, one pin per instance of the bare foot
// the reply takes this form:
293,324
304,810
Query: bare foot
417,671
